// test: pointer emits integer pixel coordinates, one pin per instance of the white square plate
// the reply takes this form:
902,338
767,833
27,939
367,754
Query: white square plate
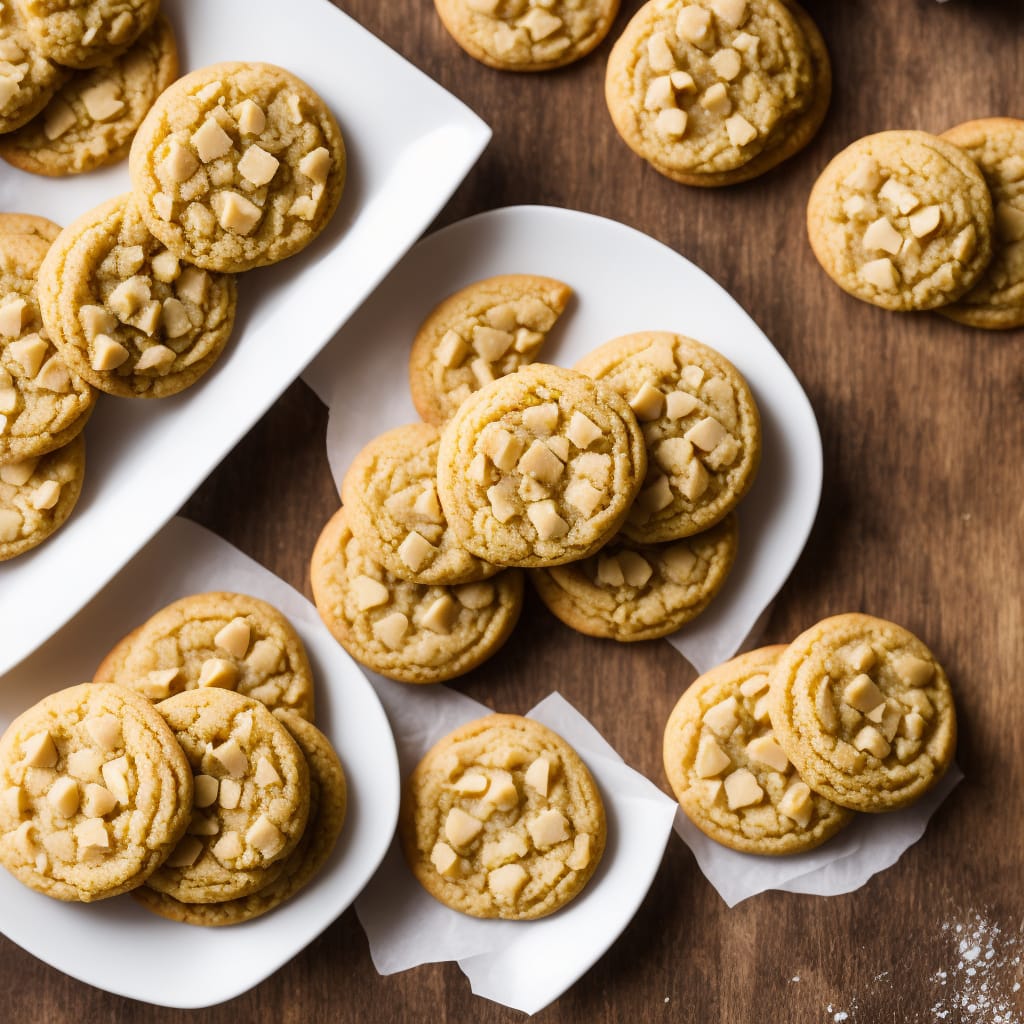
409,145
117,945
624,282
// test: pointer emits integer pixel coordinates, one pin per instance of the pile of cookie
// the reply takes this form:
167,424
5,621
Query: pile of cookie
906,220
613,483
212,806
774,751
236,166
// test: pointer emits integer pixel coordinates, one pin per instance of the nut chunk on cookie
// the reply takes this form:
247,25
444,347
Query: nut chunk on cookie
482,332
501,818
237,166
27,78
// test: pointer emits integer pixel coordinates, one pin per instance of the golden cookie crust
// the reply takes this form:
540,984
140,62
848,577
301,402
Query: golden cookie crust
390,495
27,489
97,112
630,591
752,86
701,756
237,166
485,835
28,224
107,279
878,759
408,631
272,666
539,467
996,145
251,807
43,404
327,803
485,330
86,33
686,396
20,101
96,806
527,35
902,220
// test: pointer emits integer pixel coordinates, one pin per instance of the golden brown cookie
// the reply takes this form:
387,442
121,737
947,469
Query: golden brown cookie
527,35
94,793
729,774
43,404
91,121
540,467
327,802
27,78
501,818
126,314
902,220
217,639
996,145
864,711
408,631
630,591
251,797
37,495
28,224
390,497
237,166
483,331
701,428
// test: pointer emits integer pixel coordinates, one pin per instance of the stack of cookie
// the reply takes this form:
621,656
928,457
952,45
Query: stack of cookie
773,751
213,806
910,221
613,483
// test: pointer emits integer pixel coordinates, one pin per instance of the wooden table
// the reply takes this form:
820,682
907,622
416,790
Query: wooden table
920,522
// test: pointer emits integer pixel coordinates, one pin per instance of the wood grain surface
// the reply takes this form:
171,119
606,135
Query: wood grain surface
921,521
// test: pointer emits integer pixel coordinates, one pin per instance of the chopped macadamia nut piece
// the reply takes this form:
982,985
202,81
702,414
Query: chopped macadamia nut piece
912,726
115,775
54,376
193,285
502,448
234,637
211,141
218,672
753,686
472,783
548,828
711,759
315,165
742,790
546,520
165,266
656,497
206,789
679,404
103,101
92,836
107,354
491,344
250,117
580,856
880,234
797,803
46,495
474,595
452,350
416,551
502,792
267,774
740,130
679,561
694,25
541,463
671,123
659,54
660,94
391,629
584,497
18,473
228,847
156,357
860,658
180,163
58,118
258,166
716,99
500,496
914,671
864,177
899,195
63,797
727,63
533,490
583,431
185,854
560,446
440,617
765,750
129,297
732,12
541,419
482,371
427,505
29,353
826,708
609,571
369,593
647,403
871,740
236,213
636,570
264,836
230,794
158,684
14,801
854,205
461,828
12,318
538,775
721,719
861,693
540,24
925,221
706,434
507,882
175,318
98,801
881,273
105,732
97,320
232,757
444,859
890,720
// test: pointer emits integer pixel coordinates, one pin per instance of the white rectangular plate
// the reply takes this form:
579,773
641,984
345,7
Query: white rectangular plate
409,144
117,945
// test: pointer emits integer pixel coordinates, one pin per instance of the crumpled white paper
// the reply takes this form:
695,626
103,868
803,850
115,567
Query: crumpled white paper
525,965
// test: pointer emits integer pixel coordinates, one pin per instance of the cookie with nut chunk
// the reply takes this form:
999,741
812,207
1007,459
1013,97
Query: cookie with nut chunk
27,78
484,331
903,220
412,632
864,712
251,785
501,818
700,425
237,166
127,315
729,773
222,640
94,793
28,224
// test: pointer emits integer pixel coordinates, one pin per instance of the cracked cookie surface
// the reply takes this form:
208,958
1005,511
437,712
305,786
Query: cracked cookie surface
28,224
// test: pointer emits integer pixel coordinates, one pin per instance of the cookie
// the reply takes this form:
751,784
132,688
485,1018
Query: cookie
700,424
251,797
996,145
327,804
237,166
91,121
27,78
501,818
716,93
408,631
37,495
127,315
864,712
28,224
94,793
218,639
86,33
527,35
630,591
540,467
902,220
390,496
729,774
484,331
43,404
